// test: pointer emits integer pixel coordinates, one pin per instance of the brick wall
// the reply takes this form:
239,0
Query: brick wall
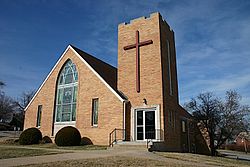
150,62
89,86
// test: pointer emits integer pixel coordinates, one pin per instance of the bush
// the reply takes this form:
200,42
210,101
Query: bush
46,139
30,136
68,136
86,141
5,127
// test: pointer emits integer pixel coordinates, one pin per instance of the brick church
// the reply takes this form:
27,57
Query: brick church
137,101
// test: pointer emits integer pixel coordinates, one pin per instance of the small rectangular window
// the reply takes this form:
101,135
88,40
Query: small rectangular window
95,107
39,114
183,123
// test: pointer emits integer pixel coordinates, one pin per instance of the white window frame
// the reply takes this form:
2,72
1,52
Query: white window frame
62,87
95,101
39,116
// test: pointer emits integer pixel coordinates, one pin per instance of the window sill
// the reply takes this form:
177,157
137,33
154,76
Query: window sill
65,123
94,126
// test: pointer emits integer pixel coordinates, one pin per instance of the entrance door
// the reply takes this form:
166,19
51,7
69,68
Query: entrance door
145,124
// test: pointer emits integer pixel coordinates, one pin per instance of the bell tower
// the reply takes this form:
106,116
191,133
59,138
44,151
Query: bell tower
147,76
146,60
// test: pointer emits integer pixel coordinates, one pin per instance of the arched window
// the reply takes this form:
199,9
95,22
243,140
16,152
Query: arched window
67,93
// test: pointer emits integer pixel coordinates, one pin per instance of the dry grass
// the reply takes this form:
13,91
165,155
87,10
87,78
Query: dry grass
54,146
109,161
172,160
7,152
204,160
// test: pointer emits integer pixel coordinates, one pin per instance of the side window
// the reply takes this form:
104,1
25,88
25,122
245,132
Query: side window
170,117
95,106
38,117
183,125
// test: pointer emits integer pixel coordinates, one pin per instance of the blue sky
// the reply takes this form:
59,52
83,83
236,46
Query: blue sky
212,39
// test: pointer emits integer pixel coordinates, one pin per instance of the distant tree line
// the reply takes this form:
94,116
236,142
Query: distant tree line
12,110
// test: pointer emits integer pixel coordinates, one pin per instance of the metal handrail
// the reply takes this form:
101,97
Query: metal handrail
113,136
119,134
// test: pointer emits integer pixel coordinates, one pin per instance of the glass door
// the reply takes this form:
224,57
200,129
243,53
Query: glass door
149,124
145,124
139,125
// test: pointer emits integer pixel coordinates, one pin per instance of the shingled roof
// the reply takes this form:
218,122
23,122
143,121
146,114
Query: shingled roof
106,71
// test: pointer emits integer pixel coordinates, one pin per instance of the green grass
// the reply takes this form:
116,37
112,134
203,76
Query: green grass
7,152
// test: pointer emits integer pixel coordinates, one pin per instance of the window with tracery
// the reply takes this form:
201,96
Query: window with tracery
67,93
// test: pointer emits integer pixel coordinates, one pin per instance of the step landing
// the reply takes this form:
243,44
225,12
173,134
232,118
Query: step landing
130,145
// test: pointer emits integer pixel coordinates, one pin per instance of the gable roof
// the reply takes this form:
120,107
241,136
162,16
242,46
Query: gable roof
105,72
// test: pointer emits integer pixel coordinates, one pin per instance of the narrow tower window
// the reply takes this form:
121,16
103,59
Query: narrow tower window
169,69
183,123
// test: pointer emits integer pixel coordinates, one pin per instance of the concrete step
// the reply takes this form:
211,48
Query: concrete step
127,145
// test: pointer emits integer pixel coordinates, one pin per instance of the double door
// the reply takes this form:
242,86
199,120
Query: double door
145,124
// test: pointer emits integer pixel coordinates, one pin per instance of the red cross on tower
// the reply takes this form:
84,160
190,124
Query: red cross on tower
137,45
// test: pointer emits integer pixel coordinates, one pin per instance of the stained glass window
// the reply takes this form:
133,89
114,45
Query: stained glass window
67,93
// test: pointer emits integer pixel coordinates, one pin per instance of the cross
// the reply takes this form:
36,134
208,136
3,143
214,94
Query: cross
137,45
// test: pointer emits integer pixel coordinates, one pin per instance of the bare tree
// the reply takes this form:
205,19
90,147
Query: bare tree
221,119
24,100
2,84
21,103
6,107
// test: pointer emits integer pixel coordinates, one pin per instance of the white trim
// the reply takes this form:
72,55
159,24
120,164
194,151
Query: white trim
65,123
69,47
98,76
60,125
155,108
47,77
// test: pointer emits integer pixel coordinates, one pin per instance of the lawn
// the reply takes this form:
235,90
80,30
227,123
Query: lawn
172,160
16,150
54,146
203,160
115,161
12,152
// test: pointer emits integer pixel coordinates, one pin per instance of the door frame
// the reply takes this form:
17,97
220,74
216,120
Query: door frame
144,122
134,110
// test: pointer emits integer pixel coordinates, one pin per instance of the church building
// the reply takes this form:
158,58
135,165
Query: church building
137,101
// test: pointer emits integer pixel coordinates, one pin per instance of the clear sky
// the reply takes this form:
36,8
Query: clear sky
212,39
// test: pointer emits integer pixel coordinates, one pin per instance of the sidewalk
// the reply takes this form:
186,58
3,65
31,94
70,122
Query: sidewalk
53,158
76,154
235,155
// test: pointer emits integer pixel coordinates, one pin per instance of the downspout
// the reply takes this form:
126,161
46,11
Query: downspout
124,118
